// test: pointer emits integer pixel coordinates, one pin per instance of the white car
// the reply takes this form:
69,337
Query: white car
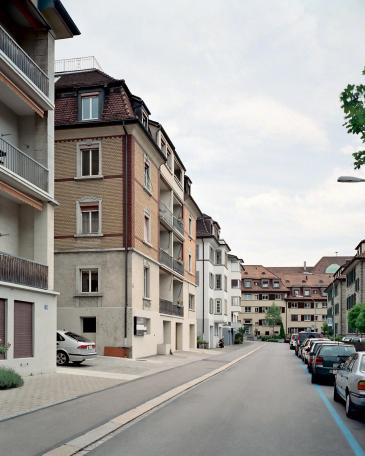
293,341
74,348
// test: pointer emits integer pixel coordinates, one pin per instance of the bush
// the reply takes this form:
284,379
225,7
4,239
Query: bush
238,338
9,379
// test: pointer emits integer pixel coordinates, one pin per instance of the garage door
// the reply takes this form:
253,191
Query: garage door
23,329
2,325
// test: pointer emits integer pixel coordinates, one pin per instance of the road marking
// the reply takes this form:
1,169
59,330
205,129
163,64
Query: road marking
350,438
97,374
76,446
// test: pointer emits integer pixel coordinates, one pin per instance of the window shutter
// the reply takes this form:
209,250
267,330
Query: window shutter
23,329
2,326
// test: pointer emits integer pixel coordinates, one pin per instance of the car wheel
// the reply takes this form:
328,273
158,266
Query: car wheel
78,362
350,410
336,396
62,358
314,378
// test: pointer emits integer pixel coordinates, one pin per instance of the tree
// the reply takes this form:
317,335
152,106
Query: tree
353,315
327,331
273,316
353,105
360,320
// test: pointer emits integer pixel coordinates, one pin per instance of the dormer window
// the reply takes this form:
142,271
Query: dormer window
178,173
90,106
144,119
276,284
265,283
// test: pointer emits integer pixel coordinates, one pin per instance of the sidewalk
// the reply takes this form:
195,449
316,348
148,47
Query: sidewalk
71,382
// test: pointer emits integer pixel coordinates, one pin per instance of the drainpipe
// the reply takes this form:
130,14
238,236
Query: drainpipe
125,231
203,281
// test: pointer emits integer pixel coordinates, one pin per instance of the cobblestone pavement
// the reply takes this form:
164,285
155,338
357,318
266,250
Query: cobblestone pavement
70,382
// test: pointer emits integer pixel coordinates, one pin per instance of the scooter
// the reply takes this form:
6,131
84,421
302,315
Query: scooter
221,343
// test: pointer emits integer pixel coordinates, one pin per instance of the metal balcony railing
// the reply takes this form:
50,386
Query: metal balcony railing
23,165
22,60
166,259
178,266
170,308
23,272
178,225
166,215
77,64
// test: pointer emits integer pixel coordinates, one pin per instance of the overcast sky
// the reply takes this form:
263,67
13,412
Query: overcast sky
248,90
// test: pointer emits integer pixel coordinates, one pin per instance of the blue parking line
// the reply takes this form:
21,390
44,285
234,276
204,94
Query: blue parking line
351,440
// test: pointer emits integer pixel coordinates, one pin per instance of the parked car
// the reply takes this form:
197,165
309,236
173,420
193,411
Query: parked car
353,338
73,347
293,342
350,384
314,349
308,346
302,335
328,358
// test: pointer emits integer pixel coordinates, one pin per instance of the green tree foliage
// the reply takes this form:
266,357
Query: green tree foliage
353,316
273,316
353,105
360,320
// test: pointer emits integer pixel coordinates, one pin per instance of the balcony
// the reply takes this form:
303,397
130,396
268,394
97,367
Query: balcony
166,259
23,165
13,52
23,272
169,308
178,266
178,225
166,215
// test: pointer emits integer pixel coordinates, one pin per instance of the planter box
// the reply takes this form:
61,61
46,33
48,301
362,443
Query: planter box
203,346
119,352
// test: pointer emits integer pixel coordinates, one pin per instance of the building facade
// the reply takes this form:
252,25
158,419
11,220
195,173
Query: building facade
125,228
27,297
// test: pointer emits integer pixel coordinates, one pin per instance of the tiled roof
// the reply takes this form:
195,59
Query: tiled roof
327,261
258,272
306,280
91,78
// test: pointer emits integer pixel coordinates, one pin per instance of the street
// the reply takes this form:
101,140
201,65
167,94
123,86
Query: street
264,405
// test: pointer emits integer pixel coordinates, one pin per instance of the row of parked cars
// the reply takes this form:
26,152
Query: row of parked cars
337,362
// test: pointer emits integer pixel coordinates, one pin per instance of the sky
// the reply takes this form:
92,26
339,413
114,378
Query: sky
248,91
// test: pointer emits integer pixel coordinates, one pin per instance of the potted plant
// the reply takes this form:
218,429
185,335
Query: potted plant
201,343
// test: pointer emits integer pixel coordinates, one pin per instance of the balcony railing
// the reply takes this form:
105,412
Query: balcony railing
22,60
178,266
178,225
169,308
166,259
23,272
166,215
23,165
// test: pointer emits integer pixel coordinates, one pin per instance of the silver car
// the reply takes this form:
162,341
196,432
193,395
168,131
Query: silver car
72,347
350,383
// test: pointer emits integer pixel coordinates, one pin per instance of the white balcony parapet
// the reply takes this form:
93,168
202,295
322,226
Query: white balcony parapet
77,64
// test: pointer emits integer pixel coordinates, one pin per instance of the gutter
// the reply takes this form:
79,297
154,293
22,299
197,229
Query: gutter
125,231
203,287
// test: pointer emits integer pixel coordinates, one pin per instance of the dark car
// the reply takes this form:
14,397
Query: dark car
328,358
302,336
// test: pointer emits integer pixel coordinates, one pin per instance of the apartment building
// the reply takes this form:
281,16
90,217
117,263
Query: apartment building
215,267
235,265
28,31
261,289
346,290
126,225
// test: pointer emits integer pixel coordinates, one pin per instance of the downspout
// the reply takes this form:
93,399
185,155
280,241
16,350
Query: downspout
203,280
125,231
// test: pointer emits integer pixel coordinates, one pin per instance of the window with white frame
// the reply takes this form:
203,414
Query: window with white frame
147,226
89,160
191,302
90,107
88,218
190,263
146,282
144,118
235,283
211,306
218,257
247,297
265,283
247,309
89,280
296,292
190,227
265,296
294,305
225,307
169,158
225,283
307,292
211,254
276,284
211,280
218,281
307,317
147,174
236,301
218,306
247,283
307,305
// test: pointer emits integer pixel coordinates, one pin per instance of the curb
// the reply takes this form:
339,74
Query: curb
75,446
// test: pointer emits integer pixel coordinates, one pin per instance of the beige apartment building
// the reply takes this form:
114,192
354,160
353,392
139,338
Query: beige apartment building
125,228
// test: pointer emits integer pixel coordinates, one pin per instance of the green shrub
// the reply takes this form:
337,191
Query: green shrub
9,379
238,338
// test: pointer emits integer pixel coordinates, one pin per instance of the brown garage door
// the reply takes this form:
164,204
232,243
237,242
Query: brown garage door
2,325
23,329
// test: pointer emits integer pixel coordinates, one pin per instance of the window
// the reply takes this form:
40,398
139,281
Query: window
296,292
257,309
235,283
169,159
147,174
90,107
211,254
197,252
211,280
307,292
225,283
144,119
216,329
294,305
276,284
351,277
146,282
247,297
247,309
89,219
247,283
190,226
307,317
89,160
89,280
265,297
23,329
218,282
324,305
191,302
211,306
88,324
218,306
357,285
225,307
307,305
147,227
218,257
294,317
190,263
265,283
236,301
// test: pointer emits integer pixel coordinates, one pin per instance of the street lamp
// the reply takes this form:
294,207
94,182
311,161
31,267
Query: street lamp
350,179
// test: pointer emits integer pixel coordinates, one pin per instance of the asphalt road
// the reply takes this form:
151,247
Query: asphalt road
265,405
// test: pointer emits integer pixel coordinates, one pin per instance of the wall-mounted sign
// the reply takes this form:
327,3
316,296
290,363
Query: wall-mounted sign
140,326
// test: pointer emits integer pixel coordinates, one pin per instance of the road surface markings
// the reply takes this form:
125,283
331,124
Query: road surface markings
76,446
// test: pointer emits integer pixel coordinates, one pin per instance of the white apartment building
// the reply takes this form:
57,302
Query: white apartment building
215,312
27,297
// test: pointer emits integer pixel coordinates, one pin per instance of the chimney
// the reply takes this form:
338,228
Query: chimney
305,266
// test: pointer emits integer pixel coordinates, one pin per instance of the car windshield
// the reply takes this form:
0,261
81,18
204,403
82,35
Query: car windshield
337,350
77,337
